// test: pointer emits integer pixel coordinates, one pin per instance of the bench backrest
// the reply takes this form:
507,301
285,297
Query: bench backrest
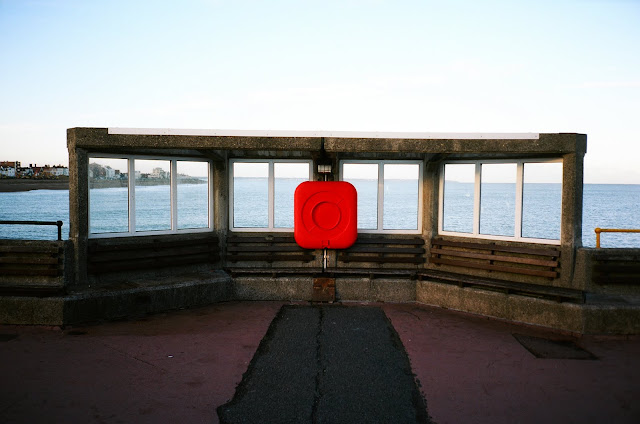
376,251
140,253
266,251
533,261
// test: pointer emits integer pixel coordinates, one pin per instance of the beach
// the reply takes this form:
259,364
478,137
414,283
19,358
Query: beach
10,185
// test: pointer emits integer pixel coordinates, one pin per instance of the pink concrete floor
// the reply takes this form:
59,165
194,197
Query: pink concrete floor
180,366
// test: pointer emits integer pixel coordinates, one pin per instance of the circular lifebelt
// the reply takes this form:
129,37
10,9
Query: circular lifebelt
323,215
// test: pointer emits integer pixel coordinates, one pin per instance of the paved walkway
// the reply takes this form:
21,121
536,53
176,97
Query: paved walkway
180,366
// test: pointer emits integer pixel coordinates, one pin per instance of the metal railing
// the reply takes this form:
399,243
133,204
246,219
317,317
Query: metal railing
57,223
611,230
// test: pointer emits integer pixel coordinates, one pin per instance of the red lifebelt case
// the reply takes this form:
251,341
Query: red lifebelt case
325,214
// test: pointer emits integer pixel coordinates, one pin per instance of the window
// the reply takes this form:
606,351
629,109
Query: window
262,193
502,200
389,194
135,195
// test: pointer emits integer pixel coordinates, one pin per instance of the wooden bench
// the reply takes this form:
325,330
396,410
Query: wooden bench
616,268
35,260
370,254
150,252
31,268
268,255
541,261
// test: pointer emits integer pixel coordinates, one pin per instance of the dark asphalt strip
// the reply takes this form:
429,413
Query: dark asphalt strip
328,364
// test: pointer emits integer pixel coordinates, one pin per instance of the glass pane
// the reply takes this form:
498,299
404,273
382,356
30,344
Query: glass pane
542,200
251,195
153,195
193,194
287,177
458,197
108,195
498,199
400,211
364,177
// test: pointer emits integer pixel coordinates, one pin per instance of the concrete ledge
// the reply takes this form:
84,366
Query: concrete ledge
515,308
269,288
130,299
30,310
612,319
347,289
375,290
109,304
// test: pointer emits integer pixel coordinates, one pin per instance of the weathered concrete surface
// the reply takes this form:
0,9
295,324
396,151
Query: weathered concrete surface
599,315
31,310
330,364
180,366
301,288
522,309
126,300
268,288
375,290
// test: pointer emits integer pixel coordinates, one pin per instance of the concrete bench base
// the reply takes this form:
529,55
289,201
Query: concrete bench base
131,299
126,301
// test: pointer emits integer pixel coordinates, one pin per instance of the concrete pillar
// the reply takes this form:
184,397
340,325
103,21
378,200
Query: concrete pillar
79,210
430,187
572,198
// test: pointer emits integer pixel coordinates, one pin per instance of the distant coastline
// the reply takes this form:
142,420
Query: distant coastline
12,185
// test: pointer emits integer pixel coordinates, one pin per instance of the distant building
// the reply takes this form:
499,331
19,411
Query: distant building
158,173
110,173
59,171
8,169
24,172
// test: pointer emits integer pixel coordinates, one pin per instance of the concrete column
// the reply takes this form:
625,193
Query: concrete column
572,198
430,187
78,210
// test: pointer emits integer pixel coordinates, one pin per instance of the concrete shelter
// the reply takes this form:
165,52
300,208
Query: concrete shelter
546,281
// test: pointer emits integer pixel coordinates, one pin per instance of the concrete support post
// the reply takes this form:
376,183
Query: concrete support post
430,188
572,198
220,193
78,209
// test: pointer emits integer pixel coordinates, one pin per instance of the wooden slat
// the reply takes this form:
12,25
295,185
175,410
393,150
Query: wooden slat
28,260
619,268
272,271
30,271
277,248
617,279
372,272
491,267
497,248
148,263
270,258
397,241
263,239
147,244
500,258
378,249
30,249
142,254
380,259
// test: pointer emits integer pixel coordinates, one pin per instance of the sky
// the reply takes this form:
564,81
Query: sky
349,65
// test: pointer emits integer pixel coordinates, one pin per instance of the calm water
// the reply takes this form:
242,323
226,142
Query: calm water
605,205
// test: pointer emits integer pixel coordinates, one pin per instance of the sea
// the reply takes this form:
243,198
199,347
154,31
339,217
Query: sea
604,206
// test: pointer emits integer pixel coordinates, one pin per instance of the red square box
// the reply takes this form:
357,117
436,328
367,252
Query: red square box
325,214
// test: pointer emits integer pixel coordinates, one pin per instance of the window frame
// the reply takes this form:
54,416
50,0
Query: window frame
270,193
380,218
477,200
173,196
